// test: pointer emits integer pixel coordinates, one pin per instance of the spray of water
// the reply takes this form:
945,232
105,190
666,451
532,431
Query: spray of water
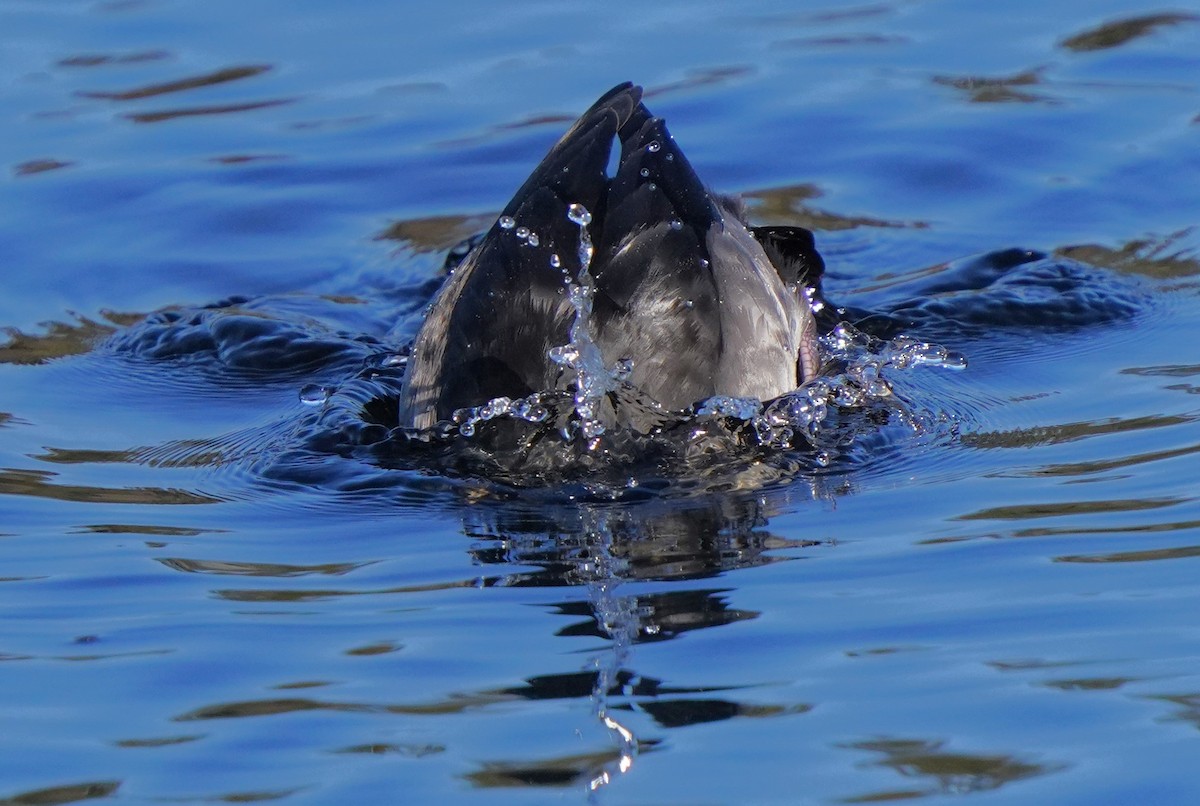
858,369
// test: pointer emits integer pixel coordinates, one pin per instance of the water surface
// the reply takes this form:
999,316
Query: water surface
202,601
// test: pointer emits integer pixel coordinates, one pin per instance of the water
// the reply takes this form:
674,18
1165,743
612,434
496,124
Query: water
206,596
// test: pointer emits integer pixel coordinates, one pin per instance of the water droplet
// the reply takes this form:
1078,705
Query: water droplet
522,232
676,224
670,157
507,222
534,240
555,261
644,172
314,394
687,303
579,214
653,147
955,361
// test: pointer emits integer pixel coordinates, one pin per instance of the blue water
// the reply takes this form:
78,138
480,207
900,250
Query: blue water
199,602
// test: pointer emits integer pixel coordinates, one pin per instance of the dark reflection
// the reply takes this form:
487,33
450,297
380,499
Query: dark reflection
1165,371
981,90
71,793
1070,432
787,206
669,707
805,19
561,771
436,233
60,339
242,159
181,85
597,549
40,166
105,59
1188,706
1142,556
1090,683
1165,257
256,569
662,615
847,40
600,556
1060,509
704,77
406,750
161,741
379,648
1105,465
1118,32
145,529
39,483
500,129
258,708
218,109
696,541
942,773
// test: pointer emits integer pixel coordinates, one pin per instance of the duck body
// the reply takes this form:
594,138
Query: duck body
681,291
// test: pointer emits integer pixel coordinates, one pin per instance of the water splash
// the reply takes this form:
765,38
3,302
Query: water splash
581,355
862,381
859,373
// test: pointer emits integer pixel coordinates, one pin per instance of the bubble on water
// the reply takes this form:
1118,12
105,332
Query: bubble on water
314,394
507,222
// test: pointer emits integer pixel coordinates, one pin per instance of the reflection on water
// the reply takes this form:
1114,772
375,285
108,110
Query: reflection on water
180,85
788,206
67,794
1164,257
41,484
1119,32
943,773
998,90
1005,608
